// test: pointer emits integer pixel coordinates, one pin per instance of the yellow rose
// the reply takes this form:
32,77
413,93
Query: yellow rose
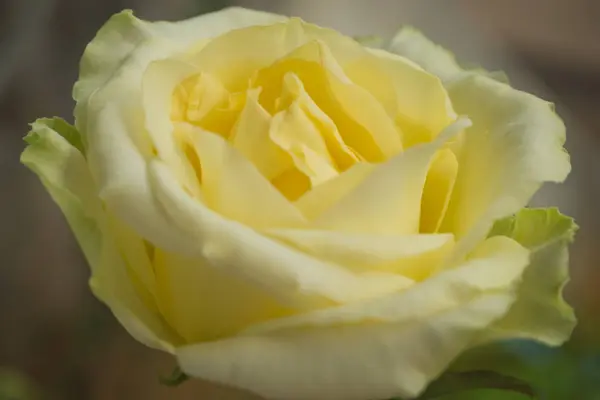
289,212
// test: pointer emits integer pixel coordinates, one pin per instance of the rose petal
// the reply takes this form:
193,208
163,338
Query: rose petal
388,201
382,348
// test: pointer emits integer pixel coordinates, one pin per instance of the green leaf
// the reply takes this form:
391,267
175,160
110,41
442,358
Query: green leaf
486,394
553,373
176,378
459,383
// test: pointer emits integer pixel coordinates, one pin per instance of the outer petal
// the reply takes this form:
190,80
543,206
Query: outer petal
540,312
119,43
63,171
204,303
412,256
514,146
109,111
433,58
380,348
291,276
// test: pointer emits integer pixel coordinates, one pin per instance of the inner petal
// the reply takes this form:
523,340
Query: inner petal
295,133
234,187
388,201
415,99
203,101
438,190
250,136
360,119
294,92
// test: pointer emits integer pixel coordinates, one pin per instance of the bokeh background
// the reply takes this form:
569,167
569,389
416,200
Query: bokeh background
58,342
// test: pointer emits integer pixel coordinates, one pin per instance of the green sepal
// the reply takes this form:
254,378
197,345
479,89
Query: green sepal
176,378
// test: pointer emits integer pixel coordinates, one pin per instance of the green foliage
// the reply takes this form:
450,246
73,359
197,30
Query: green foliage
553,373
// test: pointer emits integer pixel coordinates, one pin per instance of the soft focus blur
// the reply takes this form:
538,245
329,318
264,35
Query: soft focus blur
58,342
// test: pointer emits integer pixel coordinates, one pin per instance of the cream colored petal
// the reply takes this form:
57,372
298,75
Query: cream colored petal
203,302
513,147
121,174
496,265
289,275
126,44
137,255
378,361
413,97
63,171
110,116
234,56
223,55
412,256
413,45
113,284
376,349
160,80
388,201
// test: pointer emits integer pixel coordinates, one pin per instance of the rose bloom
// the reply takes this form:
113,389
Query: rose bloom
292,213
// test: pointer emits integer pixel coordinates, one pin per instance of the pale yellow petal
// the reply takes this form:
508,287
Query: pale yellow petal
63,171
203,302
438,190
294,132
294,91
113,283
251,137
388,201
160,80
119,45
413,45
319,199
361,120
412,256
234,56
381,348
121,173
288,274
415,99
513,147
234,187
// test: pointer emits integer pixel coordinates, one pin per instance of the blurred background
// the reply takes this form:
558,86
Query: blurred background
58,342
